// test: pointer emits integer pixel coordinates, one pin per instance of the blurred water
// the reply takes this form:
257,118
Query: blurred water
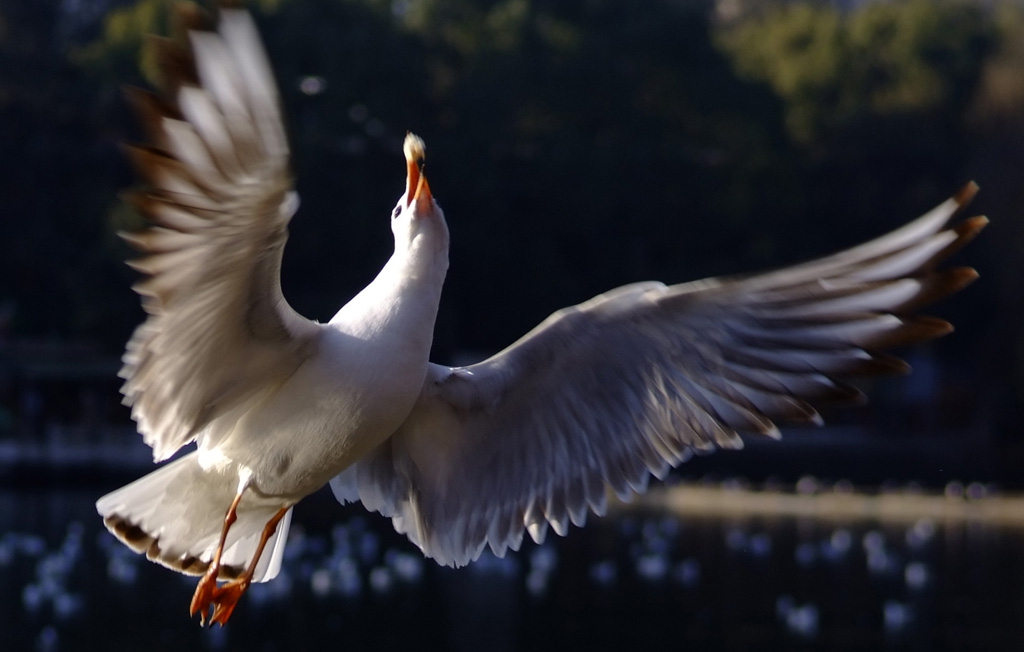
644,579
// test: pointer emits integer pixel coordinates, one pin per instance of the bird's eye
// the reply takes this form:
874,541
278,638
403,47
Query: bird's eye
395,213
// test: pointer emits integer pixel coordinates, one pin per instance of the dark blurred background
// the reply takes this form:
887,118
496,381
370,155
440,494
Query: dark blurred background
575,146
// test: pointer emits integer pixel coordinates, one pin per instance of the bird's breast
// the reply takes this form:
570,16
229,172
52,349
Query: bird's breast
338,406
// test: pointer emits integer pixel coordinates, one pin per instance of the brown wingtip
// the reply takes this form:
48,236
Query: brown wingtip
192,17
139,200
151,105
915,329
956,279
137,240
965,232
925,327
966,194
150,110
175,64
883,364
148,160
970,227
938,285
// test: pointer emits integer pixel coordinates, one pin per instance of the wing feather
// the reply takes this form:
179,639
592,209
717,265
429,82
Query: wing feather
219,199
605,394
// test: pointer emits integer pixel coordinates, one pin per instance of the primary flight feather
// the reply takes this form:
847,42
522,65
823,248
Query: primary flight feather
599,396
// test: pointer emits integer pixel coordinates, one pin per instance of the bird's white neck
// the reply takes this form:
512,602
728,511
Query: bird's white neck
404,297
424,254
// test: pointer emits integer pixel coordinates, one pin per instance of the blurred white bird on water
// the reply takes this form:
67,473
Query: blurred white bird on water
599,396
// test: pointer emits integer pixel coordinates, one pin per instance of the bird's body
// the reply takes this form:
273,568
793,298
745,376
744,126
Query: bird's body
364,373
598,397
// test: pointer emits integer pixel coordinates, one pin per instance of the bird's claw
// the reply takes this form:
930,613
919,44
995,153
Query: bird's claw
225,599
205,594
222,599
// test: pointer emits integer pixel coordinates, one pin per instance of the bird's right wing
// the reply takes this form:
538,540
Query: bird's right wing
630,383
219,200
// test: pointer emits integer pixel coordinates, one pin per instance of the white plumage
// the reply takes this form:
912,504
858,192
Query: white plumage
599,396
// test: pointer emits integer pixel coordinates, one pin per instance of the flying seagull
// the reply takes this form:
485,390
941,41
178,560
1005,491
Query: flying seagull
598,397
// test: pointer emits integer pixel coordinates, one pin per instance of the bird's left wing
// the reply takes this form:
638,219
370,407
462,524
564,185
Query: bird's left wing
219,199
630,383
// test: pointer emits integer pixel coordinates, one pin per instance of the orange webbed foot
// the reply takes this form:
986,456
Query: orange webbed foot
203,597
225,599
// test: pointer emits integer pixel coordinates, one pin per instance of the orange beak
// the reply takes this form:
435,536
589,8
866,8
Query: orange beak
412,178
416,187
423,196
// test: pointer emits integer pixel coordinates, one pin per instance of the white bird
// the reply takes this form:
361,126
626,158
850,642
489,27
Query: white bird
599,396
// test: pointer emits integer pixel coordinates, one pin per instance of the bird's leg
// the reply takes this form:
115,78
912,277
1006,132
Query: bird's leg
207,587
226,597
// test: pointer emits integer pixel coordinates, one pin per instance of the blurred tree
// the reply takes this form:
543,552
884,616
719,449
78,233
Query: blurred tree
574,145
874,97
835,68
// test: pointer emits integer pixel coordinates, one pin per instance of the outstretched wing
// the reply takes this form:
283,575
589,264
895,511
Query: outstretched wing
219,201
630,383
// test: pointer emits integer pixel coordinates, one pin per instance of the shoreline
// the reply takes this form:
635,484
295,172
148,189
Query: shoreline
978,504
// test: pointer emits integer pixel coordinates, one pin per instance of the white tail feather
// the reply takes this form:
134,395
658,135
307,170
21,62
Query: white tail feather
176,513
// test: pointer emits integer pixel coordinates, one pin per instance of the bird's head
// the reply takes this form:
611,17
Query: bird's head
417,219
